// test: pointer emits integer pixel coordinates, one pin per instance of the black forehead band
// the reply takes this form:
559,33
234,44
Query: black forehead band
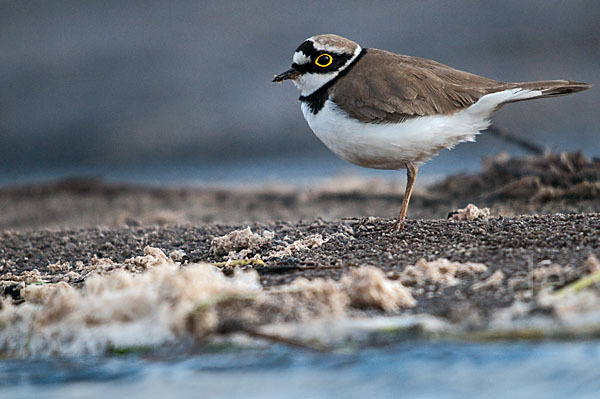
308,48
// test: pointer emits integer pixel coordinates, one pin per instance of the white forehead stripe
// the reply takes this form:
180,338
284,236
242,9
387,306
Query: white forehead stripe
300,58
323,47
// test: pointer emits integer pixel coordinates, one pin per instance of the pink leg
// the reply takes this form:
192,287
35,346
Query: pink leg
411,176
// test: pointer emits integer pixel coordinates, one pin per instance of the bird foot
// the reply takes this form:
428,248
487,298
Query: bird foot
398,226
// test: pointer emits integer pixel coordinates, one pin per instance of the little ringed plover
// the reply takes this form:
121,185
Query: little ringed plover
382,110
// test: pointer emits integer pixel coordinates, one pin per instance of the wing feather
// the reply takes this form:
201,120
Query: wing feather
384,87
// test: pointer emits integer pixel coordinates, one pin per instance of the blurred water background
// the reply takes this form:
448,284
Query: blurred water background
406,370
181,90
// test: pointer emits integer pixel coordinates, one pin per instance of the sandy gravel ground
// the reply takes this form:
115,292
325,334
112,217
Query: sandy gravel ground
517,246
542,231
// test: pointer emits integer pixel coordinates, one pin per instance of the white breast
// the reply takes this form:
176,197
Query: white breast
390,146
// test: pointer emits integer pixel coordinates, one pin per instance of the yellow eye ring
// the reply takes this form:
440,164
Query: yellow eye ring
329,60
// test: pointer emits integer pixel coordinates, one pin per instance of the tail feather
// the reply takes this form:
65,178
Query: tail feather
548,88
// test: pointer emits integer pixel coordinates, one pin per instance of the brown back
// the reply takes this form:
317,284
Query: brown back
384,87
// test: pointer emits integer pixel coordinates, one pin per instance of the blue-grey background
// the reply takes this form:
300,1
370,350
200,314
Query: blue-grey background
181,90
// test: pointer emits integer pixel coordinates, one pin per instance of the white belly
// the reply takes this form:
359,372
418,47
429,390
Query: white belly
390,146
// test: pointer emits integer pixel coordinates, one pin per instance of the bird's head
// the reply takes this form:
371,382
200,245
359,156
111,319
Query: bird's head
318,60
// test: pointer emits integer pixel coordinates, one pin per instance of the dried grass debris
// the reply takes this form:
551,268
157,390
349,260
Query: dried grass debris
59,267
369,287
440,271
564,176
152,300
310,242
591,264
238,240
152,257
471,212
492,282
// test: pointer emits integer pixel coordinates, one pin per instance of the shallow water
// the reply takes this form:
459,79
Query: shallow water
414,369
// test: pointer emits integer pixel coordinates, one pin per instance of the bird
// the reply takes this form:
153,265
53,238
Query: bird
383,110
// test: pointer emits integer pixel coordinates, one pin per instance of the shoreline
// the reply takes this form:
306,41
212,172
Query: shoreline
477,276
515,245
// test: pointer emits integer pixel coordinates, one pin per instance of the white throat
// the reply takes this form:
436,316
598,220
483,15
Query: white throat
308,83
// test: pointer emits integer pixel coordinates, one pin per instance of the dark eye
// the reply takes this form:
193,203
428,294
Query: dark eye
324,60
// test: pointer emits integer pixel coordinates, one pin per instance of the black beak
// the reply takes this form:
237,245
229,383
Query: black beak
289,74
